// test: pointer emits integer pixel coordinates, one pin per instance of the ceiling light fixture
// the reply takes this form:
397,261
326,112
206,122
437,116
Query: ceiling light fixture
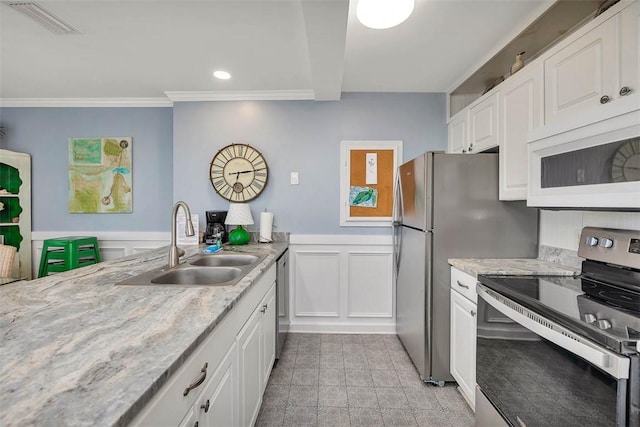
44,18
382,14
222,75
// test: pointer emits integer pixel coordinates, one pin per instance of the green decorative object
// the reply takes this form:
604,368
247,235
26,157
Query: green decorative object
239,236
239,214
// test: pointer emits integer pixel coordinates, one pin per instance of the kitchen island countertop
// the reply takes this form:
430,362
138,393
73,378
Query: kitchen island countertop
79,350
516,267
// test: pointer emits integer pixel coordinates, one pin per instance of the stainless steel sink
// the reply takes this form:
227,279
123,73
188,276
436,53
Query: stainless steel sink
221,276
223,269
224,260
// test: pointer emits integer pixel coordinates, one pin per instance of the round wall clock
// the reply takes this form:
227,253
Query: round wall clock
625,165
238,172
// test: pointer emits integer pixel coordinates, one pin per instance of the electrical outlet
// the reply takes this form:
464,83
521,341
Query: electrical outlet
580,175
295,178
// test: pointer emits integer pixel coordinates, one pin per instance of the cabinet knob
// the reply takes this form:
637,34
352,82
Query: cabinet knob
473,312
471,148
625,91
205,406
464,151
605,99
263,309
196,424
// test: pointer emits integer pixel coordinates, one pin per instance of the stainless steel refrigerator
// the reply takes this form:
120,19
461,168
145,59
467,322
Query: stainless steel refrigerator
447,207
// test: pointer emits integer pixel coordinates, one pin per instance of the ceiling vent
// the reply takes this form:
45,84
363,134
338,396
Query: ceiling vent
44,18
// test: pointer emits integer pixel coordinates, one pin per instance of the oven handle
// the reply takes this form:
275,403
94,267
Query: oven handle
612,363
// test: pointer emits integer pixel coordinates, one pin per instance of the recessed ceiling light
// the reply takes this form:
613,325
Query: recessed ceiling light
382,14
222,75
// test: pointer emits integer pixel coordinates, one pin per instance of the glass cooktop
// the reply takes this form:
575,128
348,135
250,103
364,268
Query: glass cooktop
598,311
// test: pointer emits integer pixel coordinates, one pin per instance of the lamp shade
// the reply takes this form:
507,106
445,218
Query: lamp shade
239,214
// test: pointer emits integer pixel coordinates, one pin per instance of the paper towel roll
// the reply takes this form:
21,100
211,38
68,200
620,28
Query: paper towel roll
266,225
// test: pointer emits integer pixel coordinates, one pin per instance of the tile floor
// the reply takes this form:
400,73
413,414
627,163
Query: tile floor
355,380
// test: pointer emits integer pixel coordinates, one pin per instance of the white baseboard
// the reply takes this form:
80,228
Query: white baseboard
341,328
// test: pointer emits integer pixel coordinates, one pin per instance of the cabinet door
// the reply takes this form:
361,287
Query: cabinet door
520,106
218,405
577,76
268,334
628,89
190,420
250,367
463,345
483,124
458,133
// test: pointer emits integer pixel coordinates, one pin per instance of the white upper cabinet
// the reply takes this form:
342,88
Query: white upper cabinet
483,124
594,75
458,132
520,108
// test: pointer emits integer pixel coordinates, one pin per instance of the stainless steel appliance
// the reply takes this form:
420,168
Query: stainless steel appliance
595,166
573,359
282,299
215,226
447,207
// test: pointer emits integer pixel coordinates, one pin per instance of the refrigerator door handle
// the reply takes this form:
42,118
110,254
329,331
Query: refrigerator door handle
397,221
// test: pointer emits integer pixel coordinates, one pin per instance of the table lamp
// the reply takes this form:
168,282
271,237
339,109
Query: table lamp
239,214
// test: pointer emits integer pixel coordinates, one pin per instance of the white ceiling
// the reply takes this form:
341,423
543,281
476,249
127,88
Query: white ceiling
294,49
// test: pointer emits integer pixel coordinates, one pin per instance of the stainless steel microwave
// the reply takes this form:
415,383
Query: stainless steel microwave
592,167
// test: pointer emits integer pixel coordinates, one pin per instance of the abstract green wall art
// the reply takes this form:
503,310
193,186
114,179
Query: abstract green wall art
100,172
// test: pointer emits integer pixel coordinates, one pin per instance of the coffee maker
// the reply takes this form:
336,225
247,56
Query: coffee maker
215,225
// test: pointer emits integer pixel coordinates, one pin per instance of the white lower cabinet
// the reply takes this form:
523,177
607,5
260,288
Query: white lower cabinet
257,351
218,404
463,335
222,382
268,335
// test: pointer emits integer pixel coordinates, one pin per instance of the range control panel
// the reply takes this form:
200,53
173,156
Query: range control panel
621,247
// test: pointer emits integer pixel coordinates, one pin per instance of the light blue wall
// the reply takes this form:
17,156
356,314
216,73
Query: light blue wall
44,133
302,136
172,149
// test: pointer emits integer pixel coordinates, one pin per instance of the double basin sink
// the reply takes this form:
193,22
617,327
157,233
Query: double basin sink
221,269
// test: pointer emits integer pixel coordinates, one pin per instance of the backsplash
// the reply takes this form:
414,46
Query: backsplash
560,232
561,229
561,256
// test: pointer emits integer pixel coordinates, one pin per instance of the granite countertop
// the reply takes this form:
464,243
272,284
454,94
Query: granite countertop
78,350
514,267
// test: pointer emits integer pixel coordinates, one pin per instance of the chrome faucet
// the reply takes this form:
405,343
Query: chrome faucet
174,251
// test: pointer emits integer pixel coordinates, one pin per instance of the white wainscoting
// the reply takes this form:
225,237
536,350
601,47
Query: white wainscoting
113,244
341,284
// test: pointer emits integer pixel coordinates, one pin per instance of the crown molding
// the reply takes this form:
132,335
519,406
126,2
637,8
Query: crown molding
85,102
259,95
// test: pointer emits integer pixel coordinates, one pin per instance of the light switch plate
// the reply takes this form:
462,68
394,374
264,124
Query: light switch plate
295,179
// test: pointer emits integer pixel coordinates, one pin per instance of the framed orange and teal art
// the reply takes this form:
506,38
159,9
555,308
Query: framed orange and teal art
100,172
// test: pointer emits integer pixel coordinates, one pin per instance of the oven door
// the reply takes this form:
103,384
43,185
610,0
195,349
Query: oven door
542,374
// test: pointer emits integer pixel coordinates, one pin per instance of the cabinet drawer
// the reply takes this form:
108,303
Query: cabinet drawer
464,283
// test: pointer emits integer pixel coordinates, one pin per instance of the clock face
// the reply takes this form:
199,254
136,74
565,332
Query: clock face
625,165
238,172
